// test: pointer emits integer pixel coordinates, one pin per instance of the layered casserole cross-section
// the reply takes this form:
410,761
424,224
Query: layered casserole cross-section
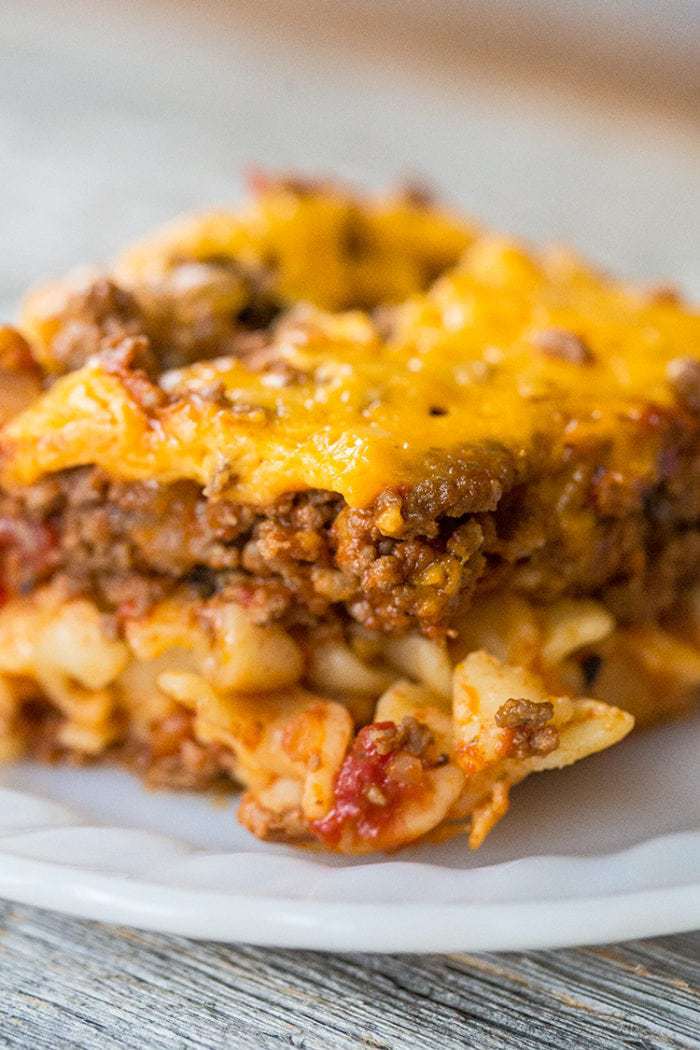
352,505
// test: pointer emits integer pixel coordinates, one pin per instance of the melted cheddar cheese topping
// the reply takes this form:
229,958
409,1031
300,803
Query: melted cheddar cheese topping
325,246
505,349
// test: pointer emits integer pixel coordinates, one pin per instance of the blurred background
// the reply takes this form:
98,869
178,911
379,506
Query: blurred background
564,120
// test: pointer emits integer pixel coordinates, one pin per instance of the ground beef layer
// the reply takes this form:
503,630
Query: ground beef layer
477,522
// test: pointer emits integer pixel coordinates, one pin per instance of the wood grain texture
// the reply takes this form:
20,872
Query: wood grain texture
66,983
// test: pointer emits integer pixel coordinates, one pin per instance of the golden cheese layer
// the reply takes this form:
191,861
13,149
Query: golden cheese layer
506,348
308,242
326,246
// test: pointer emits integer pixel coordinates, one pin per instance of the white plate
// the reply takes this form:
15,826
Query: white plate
604,851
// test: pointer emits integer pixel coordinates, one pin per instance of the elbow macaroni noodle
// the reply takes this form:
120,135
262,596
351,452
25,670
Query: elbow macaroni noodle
285,713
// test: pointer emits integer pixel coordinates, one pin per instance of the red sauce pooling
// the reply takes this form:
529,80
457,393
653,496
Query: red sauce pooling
364,772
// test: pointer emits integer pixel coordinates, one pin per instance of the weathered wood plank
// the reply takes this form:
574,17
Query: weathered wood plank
65,983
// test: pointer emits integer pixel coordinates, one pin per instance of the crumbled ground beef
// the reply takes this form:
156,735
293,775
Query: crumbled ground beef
167,756
171,757
100,312
198,310
309,557
530,725
205,308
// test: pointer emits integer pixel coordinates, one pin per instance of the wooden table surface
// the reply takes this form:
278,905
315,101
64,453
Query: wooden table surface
66,983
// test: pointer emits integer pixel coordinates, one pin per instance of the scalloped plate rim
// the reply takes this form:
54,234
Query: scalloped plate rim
281,921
